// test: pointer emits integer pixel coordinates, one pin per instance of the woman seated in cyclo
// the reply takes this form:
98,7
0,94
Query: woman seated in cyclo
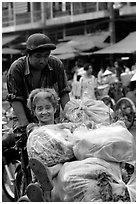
43,103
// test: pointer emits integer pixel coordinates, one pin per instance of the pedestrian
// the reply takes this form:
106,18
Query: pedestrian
76,88
107,76
131,94
133,68
99,76
88,83
37,69
75,68
118,69
43,104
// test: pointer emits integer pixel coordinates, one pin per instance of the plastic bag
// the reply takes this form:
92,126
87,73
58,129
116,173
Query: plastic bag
51,144
131,186
78,181
84,110
112,143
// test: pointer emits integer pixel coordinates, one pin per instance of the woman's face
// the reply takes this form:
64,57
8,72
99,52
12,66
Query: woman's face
39,60
44,111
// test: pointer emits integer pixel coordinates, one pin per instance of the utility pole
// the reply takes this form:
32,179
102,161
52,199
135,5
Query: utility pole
111,27
112,23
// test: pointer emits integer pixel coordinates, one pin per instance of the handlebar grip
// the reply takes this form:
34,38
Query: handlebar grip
21,136
20,129
21,140
8,140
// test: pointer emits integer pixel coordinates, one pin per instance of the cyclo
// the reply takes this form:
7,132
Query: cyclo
16,174
116,95
46,190
125,107
103,91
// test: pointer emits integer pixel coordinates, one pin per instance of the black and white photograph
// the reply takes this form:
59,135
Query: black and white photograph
68,101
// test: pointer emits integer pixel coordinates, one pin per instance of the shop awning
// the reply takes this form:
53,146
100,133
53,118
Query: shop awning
81,43
8,39
125,46
92,41
65,56
10,51
63,48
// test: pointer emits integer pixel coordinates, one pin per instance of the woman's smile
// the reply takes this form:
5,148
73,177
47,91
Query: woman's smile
44,111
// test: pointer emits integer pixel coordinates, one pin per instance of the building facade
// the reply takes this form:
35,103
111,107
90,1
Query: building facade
60,20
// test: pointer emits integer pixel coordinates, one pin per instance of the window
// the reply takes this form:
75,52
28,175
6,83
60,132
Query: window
61,9
21,7
37,6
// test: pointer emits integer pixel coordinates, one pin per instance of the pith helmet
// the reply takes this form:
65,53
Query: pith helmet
39,40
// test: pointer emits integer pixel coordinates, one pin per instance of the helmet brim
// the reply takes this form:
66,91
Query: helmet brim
46,46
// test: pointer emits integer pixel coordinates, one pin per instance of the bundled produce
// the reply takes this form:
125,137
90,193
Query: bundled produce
52,143
88,110
93,180
112,143
94,152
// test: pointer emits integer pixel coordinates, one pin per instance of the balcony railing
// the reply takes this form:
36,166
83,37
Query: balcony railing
20,19
74,8
7,18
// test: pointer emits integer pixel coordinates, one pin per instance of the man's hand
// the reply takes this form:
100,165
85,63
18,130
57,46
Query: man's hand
64,99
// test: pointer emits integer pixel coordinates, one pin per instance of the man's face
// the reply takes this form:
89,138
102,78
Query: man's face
39,59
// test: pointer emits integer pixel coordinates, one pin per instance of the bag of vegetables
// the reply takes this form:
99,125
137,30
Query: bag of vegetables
52,144
88,110
93,180
111,143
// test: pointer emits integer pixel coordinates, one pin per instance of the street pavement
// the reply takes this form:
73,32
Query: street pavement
133,132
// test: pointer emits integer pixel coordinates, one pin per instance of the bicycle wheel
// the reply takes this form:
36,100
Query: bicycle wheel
23,199
108,101
8,184
125,110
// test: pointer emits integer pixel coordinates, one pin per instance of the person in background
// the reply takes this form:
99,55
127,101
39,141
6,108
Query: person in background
131,94
38,69
88,83
76,88
75,68
79,71
133,68
118,69
126,69
99,75
76,85
107,76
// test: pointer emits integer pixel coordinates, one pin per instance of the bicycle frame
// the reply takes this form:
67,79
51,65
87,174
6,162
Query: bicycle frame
18,177
23,172
8,171
10,161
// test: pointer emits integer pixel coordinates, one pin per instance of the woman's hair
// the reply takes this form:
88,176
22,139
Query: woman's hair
50,94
